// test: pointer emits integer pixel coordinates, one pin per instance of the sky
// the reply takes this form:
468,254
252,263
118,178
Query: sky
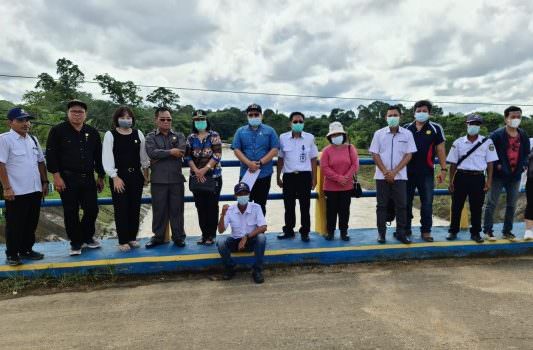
445,51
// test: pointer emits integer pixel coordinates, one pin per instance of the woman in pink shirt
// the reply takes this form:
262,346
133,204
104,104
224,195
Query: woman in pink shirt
339,162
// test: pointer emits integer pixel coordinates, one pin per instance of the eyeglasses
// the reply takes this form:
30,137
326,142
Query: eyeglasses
77,111
298,122
199,119
165,120
254,115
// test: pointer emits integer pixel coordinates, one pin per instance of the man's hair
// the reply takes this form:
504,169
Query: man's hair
395,107
161,110
423,103
511,109
293,114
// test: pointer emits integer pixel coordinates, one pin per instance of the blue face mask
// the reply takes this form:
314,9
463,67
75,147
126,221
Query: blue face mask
243,200
200,125
298,127
393,121
125,123
421,116
472,130
254,121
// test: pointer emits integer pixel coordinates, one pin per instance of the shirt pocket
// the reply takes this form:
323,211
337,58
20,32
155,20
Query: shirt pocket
288,149
251,223
19,152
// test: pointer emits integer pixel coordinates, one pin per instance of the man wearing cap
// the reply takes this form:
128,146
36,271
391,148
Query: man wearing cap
24,184
429,139
512,146
469,157
297,160
392,148
166,149
255,145
248,227
73,155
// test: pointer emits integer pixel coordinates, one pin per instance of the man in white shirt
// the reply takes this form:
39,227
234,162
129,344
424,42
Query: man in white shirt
24,183
297,160
392,148
469,157
248,226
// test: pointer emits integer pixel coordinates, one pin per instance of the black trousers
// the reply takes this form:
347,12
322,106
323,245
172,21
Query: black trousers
528,215
207,207
80,192
337,204
22,217
297,186
127,205
260,191
471,186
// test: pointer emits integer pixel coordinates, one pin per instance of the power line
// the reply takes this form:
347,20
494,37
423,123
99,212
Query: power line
279,94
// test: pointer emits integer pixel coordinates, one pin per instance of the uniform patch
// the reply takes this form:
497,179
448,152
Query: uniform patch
491,148
428,132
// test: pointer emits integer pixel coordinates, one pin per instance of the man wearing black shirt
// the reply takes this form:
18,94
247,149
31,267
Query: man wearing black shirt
73,154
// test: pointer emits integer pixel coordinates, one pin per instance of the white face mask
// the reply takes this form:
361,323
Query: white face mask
337,140
421,116
514,123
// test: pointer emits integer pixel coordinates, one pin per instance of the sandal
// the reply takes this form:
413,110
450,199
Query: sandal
134,244
209,241
124,247
201,241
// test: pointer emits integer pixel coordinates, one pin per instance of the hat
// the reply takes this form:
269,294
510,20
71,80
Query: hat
199,113
72,103
335,128
473,118
18,113
241,187
254,108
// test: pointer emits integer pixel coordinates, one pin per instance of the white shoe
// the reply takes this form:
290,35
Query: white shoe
528,235
74,252
134,244
92,245
124,247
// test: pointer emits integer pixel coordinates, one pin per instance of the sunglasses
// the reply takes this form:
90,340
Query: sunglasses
298,122
199,119
165,120
254,114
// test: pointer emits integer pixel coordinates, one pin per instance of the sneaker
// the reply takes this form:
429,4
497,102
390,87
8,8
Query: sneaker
489,236
510,237
32,255
528,235
134,244
94,244
13,261
74,252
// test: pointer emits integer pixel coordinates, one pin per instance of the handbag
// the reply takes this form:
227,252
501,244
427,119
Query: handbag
209,186
357,190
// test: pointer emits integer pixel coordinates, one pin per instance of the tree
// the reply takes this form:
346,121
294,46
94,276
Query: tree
163,97
70,77
122,93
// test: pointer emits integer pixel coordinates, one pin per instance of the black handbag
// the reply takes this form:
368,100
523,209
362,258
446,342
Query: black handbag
209,186
357,190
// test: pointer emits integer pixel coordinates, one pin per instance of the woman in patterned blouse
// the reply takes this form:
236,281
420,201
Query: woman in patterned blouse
203,154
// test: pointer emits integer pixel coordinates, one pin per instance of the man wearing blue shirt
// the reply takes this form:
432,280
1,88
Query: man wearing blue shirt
255,145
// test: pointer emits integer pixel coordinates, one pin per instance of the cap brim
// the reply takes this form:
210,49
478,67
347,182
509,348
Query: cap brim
24,117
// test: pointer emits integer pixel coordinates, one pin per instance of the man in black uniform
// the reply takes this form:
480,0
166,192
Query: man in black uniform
73,154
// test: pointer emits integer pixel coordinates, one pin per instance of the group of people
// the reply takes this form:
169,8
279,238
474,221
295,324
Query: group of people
403,156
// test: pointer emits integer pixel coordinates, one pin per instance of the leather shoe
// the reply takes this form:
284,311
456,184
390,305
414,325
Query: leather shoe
228,274
345,237
179,243
403,239
477,238
426,236
305,237
258,277
381,239
452,236
286,236
329,237
153,243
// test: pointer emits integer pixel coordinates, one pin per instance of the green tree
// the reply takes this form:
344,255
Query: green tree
122,93
163,97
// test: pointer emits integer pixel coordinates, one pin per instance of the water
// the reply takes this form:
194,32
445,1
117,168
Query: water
362,210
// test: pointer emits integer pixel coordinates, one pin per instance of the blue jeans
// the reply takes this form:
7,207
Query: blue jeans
227,245
512,188
425,183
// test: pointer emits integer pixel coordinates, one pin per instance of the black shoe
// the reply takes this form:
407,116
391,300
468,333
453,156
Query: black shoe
452,237
510,237
286,236
32,255
409,233
305,237
180,243
329,237
228,274
403,239
381,239
153,243
258,277
426,237
345,237
477,238
13,261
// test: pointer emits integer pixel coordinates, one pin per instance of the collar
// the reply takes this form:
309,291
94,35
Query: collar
479,138
302,135
247,211
15,134
387,130
252,129
157,132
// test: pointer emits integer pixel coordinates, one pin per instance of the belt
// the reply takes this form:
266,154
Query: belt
298,172
129,170
471,172
75,173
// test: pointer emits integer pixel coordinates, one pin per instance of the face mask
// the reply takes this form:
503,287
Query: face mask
514,123
243,200
254,121
393,121
125,123
421,116
337,140
200,124
472,130
297,127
